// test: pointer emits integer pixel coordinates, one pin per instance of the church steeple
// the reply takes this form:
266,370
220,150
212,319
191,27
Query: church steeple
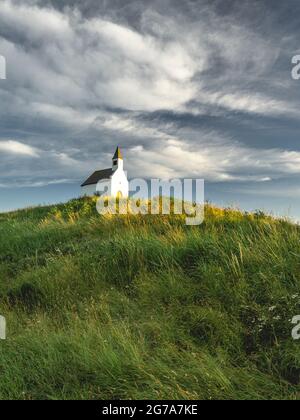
117,160
118,154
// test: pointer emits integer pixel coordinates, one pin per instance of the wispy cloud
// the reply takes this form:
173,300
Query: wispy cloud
15,147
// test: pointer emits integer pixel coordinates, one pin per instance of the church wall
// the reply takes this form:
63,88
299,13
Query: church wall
88,190
119,183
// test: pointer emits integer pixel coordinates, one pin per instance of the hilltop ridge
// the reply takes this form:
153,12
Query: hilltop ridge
130,307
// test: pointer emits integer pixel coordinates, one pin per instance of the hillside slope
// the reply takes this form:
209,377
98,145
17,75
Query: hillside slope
147,307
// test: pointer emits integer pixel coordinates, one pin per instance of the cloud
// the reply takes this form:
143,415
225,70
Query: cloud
173,152
246,102
32,24
216,161
96,61
83,79
15,147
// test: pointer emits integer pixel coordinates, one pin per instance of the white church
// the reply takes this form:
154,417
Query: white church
114,179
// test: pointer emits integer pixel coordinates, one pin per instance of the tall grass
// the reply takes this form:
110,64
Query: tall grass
147,307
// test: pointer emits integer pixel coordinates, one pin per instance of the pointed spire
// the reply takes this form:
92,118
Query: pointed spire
118,154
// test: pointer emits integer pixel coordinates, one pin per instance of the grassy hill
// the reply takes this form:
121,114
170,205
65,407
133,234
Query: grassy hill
147,307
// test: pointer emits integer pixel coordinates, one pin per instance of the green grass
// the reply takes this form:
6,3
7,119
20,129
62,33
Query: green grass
133,307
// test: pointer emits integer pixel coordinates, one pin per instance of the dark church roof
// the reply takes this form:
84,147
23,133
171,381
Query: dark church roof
98,176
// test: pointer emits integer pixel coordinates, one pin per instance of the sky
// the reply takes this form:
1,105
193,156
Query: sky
187,88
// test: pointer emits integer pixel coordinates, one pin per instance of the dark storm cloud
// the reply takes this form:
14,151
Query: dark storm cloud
186,87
